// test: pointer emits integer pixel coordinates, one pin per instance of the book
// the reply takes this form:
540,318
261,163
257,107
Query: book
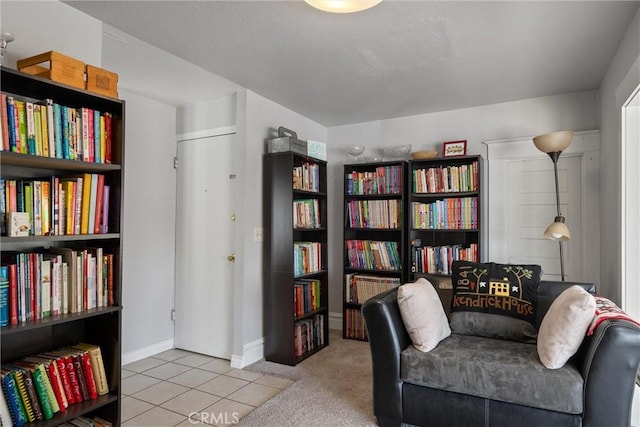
5,414
57,391
97,366
105,210
14,399
27,392
5,122
93,194
41,386
13,294
85,203
72,385
70,258
97,228
4,296
65,378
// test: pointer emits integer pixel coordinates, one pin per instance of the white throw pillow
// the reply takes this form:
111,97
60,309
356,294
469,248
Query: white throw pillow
422,314
564,326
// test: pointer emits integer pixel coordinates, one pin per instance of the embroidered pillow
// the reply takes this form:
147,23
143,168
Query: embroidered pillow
495,300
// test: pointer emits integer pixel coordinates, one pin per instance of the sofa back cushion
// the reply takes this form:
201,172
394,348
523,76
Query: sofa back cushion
495,300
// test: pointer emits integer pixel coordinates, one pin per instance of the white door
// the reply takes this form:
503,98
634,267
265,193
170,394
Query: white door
531,207
204,243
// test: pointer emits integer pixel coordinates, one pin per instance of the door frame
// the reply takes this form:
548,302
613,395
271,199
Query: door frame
586,145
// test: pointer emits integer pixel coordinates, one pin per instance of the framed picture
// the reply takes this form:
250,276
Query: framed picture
454,148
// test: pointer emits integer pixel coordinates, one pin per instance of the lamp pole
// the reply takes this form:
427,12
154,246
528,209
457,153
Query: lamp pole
555,155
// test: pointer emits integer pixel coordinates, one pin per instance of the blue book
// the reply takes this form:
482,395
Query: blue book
57,119
66,152
4,295
11,120
14,401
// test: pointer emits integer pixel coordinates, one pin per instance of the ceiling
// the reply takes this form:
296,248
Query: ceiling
397,59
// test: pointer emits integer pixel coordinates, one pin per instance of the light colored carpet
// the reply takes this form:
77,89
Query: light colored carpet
332,388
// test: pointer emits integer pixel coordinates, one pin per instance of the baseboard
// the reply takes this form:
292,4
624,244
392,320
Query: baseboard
335,321
251,353
146,351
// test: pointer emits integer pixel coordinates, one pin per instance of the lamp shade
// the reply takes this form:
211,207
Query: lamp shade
554,141
342,6
557,230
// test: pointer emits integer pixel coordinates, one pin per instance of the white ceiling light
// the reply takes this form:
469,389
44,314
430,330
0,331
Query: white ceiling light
342,6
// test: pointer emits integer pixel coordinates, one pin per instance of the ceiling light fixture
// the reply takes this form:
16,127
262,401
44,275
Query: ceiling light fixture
342,6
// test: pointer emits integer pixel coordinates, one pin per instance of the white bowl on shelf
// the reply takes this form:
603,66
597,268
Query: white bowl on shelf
354,151
398,152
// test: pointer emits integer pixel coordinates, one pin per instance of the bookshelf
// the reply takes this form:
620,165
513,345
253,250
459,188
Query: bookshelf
444,213
374,235
93,315
296,298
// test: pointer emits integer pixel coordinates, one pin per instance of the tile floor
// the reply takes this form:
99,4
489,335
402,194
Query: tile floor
179,388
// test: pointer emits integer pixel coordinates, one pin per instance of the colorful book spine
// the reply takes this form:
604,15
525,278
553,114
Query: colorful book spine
4,296
14,399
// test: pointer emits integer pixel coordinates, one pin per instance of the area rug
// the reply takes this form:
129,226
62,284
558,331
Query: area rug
332,388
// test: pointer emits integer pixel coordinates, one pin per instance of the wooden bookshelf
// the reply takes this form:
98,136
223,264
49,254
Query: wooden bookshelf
296,288
374,236
100,325
444,213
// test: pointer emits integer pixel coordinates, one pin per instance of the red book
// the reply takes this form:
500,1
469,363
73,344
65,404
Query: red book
88,372
5,124
13,294
107,136
99,196
75,393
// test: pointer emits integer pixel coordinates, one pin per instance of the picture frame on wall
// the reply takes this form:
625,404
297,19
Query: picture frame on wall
454,148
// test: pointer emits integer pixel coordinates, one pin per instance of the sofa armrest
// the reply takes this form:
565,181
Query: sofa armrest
387,338
609,361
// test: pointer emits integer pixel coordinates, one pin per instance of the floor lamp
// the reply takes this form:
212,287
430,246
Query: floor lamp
554,144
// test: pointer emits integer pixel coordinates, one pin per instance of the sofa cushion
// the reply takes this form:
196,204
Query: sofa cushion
564,326
422,314
495,300
500,370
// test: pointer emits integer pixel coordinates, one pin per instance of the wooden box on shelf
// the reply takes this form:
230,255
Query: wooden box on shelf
62,68
101,81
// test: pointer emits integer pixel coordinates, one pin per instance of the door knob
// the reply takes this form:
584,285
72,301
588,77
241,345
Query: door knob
231,258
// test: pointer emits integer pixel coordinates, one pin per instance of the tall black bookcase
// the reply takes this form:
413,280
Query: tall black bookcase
375,245
444,213
296,288
101,325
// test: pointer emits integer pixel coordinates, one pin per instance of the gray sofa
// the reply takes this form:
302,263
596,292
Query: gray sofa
475,381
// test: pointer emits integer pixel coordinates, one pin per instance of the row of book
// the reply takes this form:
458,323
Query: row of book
373,255
56,205
308,335
306,296
37,387
438,259
456,213
306,213
354,325
46,128
307,257
384,214
55,281
361,287
384,180
446,179
307,177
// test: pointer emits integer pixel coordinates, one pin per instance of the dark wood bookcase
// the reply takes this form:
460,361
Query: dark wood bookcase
375,245
99,326
296,288
444,213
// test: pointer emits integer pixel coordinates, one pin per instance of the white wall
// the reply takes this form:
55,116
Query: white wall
509,120
36,26
149,227
623,76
